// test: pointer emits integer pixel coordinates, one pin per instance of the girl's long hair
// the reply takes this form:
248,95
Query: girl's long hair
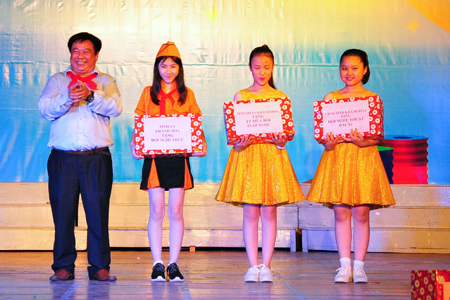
263,50
364,58
156,86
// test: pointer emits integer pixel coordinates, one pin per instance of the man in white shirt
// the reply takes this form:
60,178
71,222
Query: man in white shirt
79,103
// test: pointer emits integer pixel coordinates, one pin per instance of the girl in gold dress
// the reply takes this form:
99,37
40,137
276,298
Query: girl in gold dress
260,177
350,177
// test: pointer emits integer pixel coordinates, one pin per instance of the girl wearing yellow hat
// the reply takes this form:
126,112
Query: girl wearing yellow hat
167,95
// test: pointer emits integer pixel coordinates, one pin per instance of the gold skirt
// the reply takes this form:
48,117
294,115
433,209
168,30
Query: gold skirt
353,176
260,174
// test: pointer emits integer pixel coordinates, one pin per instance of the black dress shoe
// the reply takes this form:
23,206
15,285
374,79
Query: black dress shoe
62,275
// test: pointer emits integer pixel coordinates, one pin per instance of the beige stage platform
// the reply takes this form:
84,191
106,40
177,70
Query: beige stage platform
215,275
419,223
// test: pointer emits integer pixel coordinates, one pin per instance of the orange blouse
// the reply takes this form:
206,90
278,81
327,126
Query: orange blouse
147,107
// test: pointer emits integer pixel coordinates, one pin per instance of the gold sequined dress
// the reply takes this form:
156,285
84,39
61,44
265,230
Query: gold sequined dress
351,175
260,174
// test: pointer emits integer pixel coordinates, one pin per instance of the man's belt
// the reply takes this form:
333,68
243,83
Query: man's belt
104,150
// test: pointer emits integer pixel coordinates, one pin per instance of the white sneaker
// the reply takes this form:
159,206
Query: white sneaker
252,274
265,274
343,275
359,276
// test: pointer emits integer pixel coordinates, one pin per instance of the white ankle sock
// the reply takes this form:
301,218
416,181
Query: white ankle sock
346,262
358,264
157,261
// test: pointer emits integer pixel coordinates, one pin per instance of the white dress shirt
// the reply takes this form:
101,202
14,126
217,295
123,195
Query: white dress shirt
81,126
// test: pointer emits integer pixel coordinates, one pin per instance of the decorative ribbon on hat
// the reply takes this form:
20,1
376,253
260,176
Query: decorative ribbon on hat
162,102
87,80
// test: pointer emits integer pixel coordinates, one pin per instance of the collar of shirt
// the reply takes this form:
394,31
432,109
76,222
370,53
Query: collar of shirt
69,69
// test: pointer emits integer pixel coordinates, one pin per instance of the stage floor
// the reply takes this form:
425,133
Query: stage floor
214,275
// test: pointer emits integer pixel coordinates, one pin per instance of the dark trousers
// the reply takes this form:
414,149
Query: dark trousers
69,175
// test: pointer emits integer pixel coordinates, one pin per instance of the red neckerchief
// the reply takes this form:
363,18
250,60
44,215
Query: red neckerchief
87,80
162,101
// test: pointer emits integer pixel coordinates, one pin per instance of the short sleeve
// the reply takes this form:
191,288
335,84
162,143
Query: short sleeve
145,96
192,102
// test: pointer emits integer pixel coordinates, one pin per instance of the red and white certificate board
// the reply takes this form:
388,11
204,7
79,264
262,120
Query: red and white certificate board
430,284
340,116
258,118
176,134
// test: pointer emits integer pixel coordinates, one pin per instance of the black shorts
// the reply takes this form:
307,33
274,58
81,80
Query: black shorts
171,172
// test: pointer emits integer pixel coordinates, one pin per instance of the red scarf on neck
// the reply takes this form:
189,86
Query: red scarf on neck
87,80
162,101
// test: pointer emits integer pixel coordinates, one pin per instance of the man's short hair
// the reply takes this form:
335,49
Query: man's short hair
85,36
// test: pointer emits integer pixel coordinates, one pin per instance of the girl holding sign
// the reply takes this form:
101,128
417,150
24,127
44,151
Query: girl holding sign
350,177
260,177
168,95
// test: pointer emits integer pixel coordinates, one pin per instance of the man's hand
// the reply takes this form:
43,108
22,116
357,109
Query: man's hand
78,91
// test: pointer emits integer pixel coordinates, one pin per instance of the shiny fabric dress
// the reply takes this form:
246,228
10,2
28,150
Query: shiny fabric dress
260,174
351,175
